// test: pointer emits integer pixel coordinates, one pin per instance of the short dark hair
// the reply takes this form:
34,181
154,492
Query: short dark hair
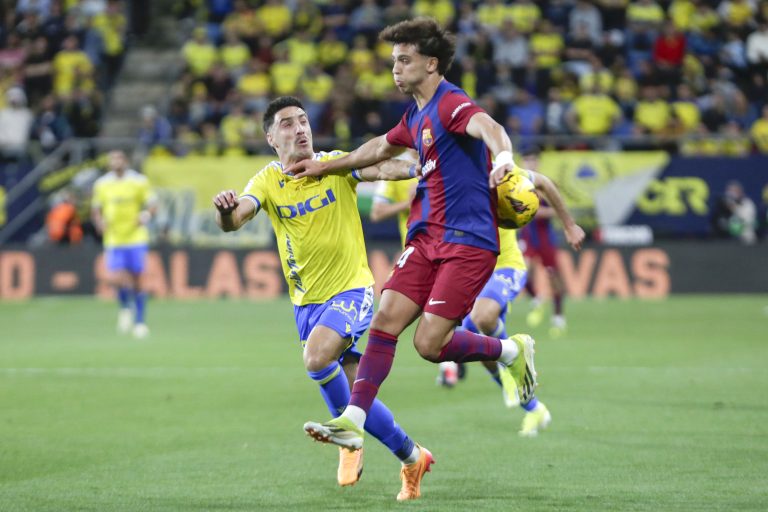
276,105
429,38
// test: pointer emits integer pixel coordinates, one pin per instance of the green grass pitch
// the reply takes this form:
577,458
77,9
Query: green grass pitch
657,406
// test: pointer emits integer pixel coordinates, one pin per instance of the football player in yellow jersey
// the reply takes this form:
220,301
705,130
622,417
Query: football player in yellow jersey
122,206
320,240
394,198
488,316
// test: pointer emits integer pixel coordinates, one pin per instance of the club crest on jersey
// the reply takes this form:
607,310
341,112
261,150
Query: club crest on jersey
426,137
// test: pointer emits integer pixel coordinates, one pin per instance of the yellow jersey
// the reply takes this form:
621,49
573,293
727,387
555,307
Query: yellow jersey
395,192
524,16
510,255
318,230
596,113
66,68
759,133
652,115
120,200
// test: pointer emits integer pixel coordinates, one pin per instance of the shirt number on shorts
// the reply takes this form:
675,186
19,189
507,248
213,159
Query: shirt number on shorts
404,256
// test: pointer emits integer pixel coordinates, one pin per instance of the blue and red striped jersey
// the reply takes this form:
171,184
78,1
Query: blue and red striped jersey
453,201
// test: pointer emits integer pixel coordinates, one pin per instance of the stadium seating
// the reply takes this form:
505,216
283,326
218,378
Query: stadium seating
651,71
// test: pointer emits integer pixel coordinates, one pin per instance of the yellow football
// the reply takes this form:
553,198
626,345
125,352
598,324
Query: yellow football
518,201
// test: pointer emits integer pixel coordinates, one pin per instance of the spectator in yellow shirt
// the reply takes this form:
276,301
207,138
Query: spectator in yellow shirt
686,115
442,10
361,56
759,132
491,14
111,25
255,85
652,114
234,54
284,73
301,49
243,22
199,54
316,88
547,46
524,14
680,13
71,67
593,113
275,17
331,51
376,83
231,130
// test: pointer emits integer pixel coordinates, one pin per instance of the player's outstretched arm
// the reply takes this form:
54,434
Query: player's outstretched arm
372,152
482,126
231,213
381,210
573,232
391,170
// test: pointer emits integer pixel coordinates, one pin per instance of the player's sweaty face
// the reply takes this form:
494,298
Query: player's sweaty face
409,67
291,134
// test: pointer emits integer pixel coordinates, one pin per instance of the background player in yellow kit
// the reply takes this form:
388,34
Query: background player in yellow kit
121,209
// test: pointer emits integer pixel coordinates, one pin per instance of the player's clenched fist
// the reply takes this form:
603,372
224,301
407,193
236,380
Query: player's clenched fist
226,201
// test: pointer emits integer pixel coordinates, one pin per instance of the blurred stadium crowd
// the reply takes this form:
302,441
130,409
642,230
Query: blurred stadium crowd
634,74
560,67
57,61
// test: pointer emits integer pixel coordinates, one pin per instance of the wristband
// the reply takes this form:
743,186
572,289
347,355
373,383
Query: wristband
503,158
412,171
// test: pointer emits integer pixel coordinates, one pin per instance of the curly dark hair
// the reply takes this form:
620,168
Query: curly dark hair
276,106
429,38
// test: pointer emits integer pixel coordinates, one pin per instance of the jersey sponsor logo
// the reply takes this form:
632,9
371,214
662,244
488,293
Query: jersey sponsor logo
293,267
314,203
426,137
429,166
460,108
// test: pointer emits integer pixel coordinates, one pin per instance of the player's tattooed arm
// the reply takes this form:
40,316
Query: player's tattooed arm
372,152
391,170
231,212
573,232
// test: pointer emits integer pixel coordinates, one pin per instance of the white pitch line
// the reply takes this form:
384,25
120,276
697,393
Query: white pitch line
140,372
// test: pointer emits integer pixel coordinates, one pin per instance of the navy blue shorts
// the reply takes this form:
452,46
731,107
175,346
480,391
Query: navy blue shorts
130,258
349,314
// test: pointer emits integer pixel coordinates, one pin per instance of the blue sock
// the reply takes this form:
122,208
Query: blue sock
124,296
334,387
530,406
380,423
469,325
141,304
